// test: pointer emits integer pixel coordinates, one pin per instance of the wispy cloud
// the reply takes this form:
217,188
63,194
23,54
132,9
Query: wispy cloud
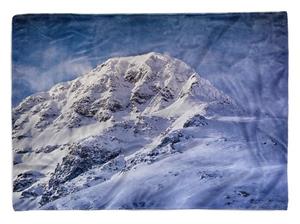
42,79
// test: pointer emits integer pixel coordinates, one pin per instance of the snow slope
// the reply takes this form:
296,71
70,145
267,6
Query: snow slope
143,132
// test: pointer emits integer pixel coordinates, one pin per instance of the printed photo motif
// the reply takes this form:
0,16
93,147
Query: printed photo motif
154,111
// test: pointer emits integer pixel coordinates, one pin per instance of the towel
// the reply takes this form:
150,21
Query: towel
150,111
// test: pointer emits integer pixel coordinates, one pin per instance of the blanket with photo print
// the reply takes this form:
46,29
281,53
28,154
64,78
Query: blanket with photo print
150,111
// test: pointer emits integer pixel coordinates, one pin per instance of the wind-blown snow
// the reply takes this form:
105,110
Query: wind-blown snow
143,132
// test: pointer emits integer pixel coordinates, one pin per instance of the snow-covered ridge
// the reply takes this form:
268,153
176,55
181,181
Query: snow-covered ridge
128,86
126,114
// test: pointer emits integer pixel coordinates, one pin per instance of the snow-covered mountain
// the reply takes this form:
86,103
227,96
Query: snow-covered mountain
143,132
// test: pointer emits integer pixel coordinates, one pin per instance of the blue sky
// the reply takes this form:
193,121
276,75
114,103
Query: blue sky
244,55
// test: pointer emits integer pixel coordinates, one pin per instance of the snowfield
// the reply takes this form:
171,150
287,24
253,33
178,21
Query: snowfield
145,132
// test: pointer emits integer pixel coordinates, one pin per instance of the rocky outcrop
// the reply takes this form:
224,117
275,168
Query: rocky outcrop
196,121
26,179
81,158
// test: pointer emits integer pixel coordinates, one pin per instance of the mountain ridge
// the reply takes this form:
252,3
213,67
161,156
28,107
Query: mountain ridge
103,92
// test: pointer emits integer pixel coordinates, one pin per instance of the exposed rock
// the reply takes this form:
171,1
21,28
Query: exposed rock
74,121
80,159
25,180
196,121
140,98
23,150
171,139
22,136
103,116
133,75
47,149
85,108
114,106
29,102
167,94
33,191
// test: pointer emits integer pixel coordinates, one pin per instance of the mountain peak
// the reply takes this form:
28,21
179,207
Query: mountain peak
142,84
143,57
110,117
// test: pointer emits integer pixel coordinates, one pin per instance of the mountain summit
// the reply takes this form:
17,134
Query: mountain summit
121,89
125,118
